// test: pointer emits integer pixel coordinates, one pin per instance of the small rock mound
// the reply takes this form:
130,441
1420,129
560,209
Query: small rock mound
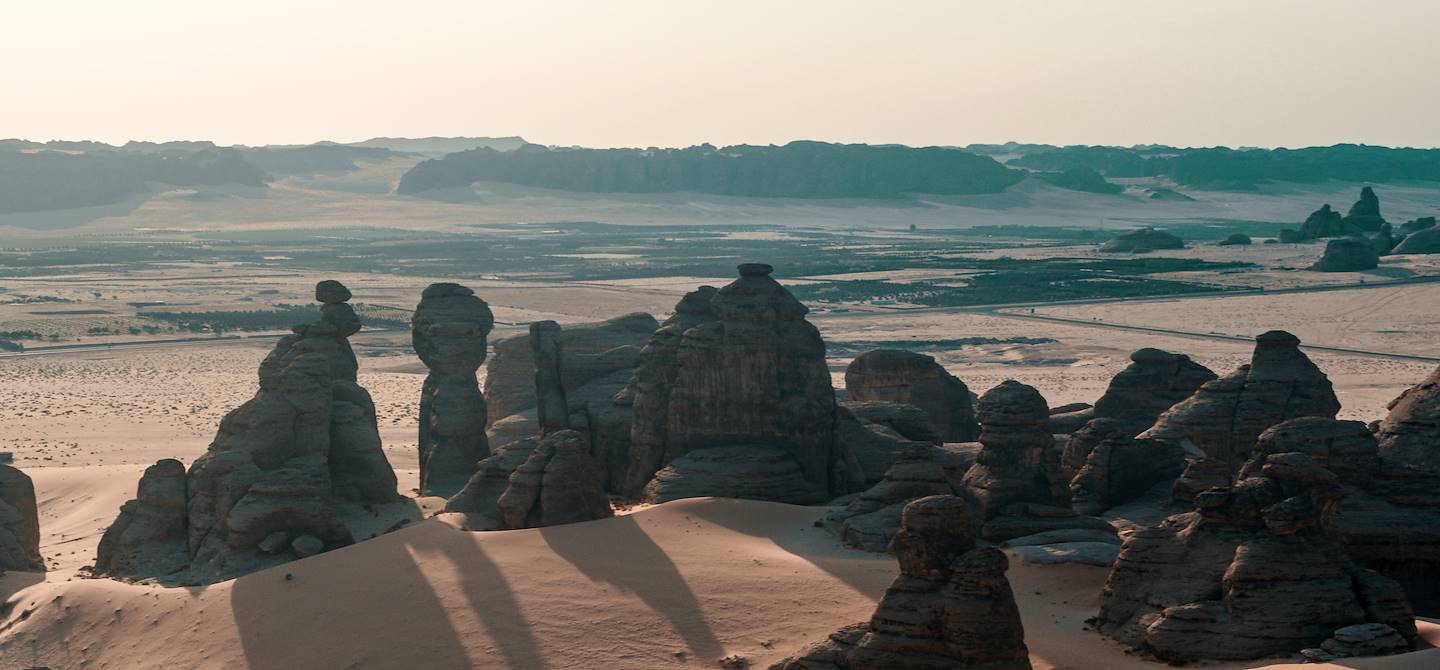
1366,639
1142,241
897,376
1153,382
1347,254
1426,241
1236,240
754,473
951,607
19,522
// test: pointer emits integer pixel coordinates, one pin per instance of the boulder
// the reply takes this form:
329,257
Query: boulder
907,421
1223,418
1253,571
737,366
1409,436
897,376
19,522
1142,241
1360,640
448,331
1347,254
1235,240
149,537
950,608
1426,241
872,445
1323,222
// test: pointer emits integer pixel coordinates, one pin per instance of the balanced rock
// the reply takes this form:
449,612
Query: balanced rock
950,608
1254,571
1142,241
19,522
897,376
745,368
1347,254
1224,416
1018,462
448,331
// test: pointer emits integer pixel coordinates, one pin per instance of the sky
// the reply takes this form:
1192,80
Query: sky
608,73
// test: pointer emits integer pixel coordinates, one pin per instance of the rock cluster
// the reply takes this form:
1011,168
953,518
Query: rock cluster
448,331
1253,571
1224,416
1364,215
1142,241
950,608
1324,222
1111,468
872,518
1153,382
19,522
269,487
736,367
554,484
897,376
1347,254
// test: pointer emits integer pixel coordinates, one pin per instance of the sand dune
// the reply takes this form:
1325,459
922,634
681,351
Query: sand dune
684,584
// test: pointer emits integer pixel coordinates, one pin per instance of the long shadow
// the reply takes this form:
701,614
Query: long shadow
400,606
814,545
14,582
644,570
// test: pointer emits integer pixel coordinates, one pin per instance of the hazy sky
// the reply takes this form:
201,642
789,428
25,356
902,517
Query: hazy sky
678,72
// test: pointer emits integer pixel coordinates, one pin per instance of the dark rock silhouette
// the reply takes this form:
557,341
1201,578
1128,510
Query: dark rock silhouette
871,435
268,489
1224,416
546,484
1018,462
448,331
1142,241
950,608
552,409
1323,222
1347,254
894,375
741,369
1254,571
591,350
1235,240
19,522
1111,468
1153,382
1409,436
872,518
1365,213
1423,241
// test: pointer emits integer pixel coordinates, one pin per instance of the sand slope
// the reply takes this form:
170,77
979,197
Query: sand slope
677,585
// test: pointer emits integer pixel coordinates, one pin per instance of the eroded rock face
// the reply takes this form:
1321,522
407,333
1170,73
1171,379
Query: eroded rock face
1347,254
1254,571
897,376
1365,213
951,607
870,520
268,488
1225,416
1409,436
1111,468
741,368
1018,463
535,485
753,473
1153,382
1323,222
19,522
448,331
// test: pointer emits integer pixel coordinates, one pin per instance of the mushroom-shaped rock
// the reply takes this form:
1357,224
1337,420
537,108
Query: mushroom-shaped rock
1017,462
448,331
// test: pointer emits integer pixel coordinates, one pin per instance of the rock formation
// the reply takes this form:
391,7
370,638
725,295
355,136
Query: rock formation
742,368
552,410
546,484
1364,215
269,487
872,518
1366,639
1409,436
1254,571
872,434
1142,241
1347,254
1224,416
1424,241
950,608
894,375
1416,225
1153,382
752,472
1235,240
1018,462
448,331
1111,468
19,522
1323,222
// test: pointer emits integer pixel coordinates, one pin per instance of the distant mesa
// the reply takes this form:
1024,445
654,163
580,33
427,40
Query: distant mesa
1082,179
1142,241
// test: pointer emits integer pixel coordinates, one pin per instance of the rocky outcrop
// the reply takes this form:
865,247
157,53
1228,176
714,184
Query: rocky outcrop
149,537
950,608
1323,222
1224,416
1347,254
1235,240
269,487
1364,215
1360,640
1254,571
752,473
742,368
448,331
1142,241
1426,241
1153,382
872,518
589,351
19,522
1018,462
1111,468
535,485
552,410
1409,436
897,376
